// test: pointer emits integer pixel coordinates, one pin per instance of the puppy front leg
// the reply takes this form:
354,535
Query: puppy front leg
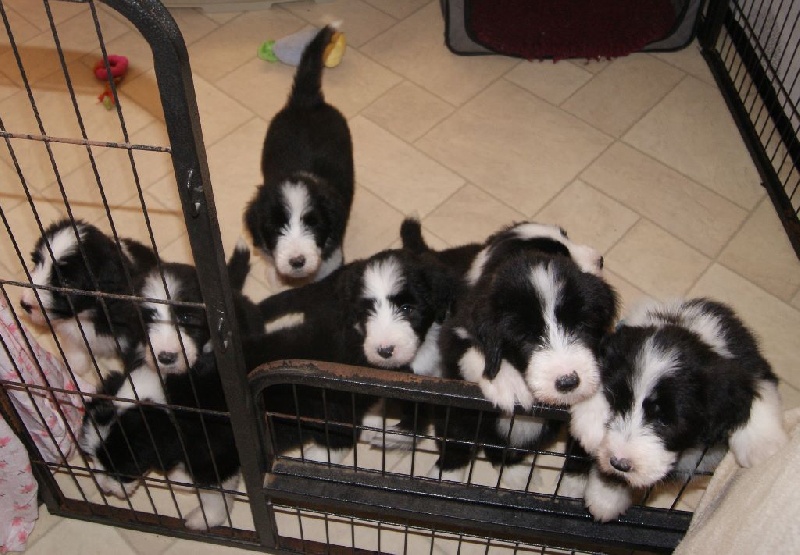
605,498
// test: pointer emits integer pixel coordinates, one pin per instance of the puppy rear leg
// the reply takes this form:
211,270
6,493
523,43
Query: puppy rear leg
215,506
764,433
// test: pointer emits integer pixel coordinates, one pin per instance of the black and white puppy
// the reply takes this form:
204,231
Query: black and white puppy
126,439
177,327
298,217
389,305
528,330
679,379
76,255
383,312
473,259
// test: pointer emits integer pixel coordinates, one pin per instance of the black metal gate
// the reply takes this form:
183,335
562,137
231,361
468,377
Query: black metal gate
752,48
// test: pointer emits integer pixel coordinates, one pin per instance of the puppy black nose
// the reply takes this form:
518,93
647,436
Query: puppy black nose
386,351
623,465
167,358
297,262
27,307
567,382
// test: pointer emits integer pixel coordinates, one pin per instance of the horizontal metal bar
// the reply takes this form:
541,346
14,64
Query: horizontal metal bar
382,383
504,514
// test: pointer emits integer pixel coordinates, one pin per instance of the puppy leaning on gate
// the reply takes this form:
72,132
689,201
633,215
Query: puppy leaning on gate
299,215
525,327
680,381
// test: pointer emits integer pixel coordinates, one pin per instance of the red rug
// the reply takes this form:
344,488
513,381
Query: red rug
558,29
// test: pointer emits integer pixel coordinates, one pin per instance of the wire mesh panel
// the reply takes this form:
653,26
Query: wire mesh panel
523,495
752,49
98,200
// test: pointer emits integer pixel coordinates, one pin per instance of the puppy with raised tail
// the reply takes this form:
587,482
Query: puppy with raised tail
299,215
681,381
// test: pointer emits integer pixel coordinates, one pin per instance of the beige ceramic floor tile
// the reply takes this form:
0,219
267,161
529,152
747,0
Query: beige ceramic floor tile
512,145
143,89
77,37
75,537
36,14
589,216
623,92
236,42
219,114
656,262
692,131
21,29
774,323
553,82
398,8
373,226
146,543
689,211
592,66
235,176
7,86
627,294
470,215
360,22
789,395
690,60
413,48
25,232
408,111
257,75
762,255
796,300
193,24
352,86
399,174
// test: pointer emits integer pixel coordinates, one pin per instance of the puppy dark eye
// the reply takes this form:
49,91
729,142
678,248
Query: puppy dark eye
310,219
188,319
406,309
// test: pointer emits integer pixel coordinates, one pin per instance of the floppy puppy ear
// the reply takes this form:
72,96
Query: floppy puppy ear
492,346
254,221
441,289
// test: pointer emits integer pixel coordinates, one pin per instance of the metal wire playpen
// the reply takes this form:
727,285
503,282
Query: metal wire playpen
378,499
752,49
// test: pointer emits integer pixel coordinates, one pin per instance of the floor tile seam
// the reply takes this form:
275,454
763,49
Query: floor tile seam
396,18
207,145
362,111
718,251
616,137
710,261
650,156
604,195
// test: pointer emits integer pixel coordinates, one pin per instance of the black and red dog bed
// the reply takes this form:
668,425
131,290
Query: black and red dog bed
558,29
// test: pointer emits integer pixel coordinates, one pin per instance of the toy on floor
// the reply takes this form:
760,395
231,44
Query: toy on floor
119,67
289,49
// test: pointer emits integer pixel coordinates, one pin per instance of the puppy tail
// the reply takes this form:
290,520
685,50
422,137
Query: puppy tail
307,89
239,266
411,235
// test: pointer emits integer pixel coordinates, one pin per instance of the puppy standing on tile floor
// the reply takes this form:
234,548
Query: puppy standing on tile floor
298,217
78,256
681,381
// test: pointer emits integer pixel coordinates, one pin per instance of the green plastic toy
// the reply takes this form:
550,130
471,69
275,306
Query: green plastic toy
289,49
